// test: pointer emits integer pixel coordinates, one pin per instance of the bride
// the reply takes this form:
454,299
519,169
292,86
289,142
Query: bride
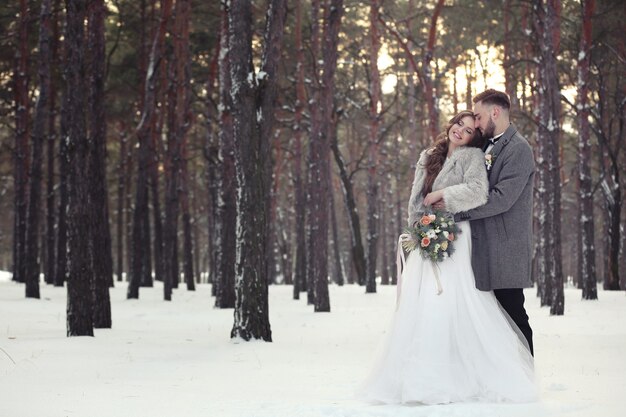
457,345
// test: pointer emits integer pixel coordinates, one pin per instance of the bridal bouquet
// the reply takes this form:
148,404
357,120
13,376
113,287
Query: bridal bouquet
433,234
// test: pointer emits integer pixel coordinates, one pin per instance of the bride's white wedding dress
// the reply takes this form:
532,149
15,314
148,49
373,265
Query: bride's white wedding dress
454,347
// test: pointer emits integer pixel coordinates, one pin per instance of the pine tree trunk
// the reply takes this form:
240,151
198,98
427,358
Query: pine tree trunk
101,239
427,84
227,202
299,280
384,258
129,212
252,138
50,178
121,196
372,162
141,263
547,26
211,155
183,113
313,157
357,252
338,270
509,76
80,266
586,249
36,168
60,273
156,209
21,162
320,184
172,175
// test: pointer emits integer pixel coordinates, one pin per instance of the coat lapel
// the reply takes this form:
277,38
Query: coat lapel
504,140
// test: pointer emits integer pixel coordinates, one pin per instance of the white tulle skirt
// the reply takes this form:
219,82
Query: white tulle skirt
457,346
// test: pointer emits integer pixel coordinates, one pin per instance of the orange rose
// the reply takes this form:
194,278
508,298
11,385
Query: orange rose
425,220
425,242
450,237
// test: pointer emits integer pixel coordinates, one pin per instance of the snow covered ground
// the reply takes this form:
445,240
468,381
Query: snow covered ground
176,359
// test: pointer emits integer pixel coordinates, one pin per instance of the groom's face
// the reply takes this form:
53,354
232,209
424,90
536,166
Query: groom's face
483,120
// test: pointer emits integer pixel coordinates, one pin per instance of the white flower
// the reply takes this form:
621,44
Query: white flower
445,234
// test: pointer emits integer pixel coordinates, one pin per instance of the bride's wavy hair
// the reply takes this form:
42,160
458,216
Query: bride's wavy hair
439,151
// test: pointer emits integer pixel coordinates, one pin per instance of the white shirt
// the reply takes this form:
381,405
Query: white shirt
491,145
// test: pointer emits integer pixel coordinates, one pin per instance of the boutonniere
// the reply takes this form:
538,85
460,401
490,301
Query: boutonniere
489,160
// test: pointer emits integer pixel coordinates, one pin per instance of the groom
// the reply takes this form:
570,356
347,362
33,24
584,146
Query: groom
502,228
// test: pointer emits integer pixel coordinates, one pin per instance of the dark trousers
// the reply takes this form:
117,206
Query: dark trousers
512,301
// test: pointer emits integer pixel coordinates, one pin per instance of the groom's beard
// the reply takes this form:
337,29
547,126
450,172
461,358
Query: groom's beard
490,130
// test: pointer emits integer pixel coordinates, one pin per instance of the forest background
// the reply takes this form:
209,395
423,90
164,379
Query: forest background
255,143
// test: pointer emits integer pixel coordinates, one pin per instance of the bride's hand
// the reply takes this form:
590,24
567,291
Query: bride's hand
432,197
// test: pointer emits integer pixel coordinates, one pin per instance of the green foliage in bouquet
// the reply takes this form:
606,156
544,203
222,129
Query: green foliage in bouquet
433,234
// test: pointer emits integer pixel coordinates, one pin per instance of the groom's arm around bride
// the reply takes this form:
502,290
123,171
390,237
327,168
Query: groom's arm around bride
502,228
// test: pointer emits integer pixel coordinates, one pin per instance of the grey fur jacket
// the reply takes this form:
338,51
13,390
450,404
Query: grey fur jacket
463,179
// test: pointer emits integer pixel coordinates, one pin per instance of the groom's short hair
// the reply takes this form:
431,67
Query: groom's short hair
492,96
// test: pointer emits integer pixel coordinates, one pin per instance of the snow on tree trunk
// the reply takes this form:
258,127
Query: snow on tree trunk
227,201
586,250
253,98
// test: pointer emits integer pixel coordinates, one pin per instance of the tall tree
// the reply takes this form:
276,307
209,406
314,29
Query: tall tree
299,279
253,96
51,240
121,197
320,149
101,255
586,250
183,73
36,168
21,160
427,79
141,265
313,227
375,94
80,265
227,202
547,26
60,272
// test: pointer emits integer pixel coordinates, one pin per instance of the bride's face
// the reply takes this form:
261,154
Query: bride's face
462,132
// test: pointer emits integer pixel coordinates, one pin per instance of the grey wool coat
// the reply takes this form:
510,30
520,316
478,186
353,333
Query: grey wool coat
462,178
502,228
